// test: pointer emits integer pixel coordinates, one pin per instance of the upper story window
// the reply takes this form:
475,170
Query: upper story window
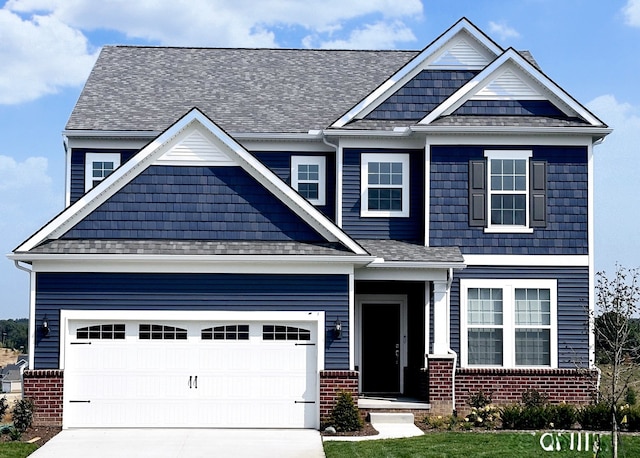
508,323
98,166
308,177
507,192
384,184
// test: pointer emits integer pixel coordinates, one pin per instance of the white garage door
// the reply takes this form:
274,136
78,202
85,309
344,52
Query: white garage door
191,374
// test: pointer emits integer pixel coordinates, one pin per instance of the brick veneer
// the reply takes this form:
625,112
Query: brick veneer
44,388
505,385
332,382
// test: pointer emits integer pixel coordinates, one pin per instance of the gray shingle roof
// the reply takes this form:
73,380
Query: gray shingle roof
395,250
243,90
188,247
507,121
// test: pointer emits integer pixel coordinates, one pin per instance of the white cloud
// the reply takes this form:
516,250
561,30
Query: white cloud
502,30
39,56
381,35
631,13
617,167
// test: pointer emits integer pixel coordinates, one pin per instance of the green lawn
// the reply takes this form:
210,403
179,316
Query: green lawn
467,445
16,449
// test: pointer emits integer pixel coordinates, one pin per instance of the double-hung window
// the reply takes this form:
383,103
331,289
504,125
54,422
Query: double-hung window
98,166
384,184
507,191
308,177
508,323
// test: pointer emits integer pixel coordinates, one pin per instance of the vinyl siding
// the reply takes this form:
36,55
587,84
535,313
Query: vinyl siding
193,292
567,204
573,303
396,228
78,163
194,203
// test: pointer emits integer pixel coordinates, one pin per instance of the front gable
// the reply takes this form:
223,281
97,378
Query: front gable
193,182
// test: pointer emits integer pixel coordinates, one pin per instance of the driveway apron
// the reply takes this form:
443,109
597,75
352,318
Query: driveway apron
183,443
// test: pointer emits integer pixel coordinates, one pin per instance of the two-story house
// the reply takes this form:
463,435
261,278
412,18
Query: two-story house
248,231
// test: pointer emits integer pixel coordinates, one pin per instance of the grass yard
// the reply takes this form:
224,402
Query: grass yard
16,449
476,445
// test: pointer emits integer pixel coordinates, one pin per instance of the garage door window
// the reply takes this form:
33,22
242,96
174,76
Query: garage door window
227,332
276,332
101,331
161,332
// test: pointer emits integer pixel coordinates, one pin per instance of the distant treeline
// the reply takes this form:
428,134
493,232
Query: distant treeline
15,334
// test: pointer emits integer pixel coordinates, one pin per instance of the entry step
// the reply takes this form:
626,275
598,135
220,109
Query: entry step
391,417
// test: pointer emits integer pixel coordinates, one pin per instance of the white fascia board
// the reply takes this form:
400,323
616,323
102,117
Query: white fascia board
414,66
462,94
185,264
527,260
381,264
385,274
148,155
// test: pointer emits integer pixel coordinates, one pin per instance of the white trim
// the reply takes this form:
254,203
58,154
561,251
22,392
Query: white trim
164,142
512,58
427,321
508,287
365,160
525,155
427,191
405,274
463,28
92,157
401,301
321,162
526,260
591,255
352,321
32,319
339,183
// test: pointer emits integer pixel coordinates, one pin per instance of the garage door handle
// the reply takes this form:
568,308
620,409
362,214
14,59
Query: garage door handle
196,382
190,381
305,402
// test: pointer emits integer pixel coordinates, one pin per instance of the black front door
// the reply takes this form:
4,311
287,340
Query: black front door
380,348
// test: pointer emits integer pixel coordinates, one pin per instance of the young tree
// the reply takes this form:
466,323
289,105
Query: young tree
617,300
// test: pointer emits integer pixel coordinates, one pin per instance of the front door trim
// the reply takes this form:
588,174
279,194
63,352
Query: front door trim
361,301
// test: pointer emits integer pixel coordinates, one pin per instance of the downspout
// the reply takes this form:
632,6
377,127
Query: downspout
449,350
25,269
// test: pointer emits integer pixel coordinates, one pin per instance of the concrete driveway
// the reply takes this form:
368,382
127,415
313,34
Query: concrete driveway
183,443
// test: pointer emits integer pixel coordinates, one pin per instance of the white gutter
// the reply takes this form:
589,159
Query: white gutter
382,264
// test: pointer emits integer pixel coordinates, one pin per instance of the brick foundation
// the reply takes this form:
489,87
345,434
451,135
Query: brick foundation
44,388
332,382
506,386
440,394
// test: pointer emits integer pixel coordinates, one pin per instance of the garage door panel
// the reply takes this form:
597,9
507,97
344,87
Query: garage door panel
200,381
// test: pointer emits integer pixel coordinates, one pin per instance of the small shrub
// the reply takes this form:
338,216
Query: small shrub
4,405
479,399
595,417
561,416
486,417
345,415
511,416
630,396
437,422
534,398
14,433
22,414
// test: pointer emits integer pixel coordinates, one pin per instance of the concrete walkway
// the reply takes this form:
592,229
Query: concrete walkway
183,443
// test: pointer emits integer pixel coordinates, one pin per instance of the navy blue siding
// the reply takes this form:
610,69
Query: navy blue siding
200,292
421,95
573,303
194,203
408,229
280,164
78,167
511,108
566,232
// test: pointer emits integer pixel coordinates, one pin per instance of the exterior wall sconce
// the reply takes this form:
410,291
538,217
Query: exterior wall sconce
337,329
45,326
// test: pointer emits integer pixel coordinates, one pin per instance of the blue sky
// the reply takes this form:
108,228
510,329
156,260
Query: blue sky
47,48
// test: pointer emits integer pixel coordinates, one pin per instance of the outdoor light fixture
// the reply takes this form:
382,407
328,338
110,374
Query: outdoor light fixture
45,326
337,329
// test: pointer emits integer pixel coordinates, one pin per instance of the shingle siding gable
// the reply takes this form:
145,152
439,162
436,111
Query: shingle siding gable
197,203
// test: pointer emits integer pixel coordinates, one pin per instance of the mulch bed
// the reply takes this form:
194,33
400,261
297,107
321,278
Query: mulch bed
367,430
43,433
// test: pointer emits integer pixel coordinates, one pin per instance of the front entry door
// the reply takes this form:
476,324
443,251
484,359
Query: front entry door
381,348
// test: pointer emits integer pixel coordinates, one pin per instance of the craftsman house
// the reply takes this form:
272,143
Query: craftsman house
249,230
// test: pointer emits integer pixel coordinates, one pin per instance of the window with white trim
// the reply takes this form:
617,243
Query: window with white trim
508,323
384,185
308,177
98,166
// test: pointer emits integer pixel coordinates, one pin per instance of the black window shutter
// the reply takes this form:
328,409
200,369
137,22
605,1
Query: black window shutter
538,192
478,193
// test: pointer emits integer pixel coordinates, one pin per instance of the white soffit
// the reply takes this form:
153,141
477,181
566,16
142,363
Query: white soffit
462,47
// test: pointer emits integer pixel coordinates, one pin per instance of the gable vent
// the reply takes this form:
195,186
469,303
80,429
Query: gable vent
461,55
195,149
507,86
